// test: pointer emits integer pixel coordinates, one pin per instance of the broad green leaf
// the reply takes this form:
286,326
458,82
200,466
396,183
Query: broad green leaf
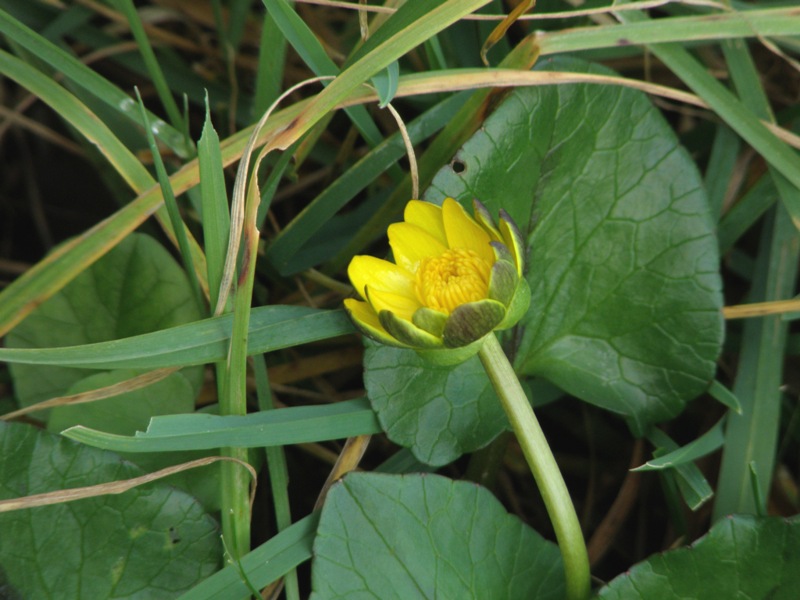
126,413
136,288
439,413
622,261
152,542
425,536
741,557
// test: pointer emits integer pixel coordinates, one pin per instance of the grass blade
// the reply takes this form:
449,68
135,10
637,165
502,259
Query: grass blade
215,213
270,428
737,116
752,436
263,565
90,81
127,8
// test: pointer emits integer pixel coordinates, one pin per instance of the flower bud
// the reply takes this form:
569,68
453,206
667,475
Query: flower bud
455,279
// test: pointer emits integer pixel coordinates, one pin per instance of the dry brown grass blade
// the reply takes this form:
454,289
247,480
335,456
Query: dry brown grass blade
239,196
122,387
478,78
501,29
566,14
603,537
115,487
316,365
761,309
353,451
14,117
468,79
412,158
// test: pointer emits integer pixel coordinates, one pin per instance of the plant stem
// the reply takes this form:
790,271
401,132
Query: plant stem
543,466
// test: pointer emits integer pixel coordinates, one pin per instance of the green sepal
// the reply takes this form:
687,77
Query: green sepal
408,333
372,333
518,306
448,357
512,237
484,217
430,320
470,322
501,252
503,280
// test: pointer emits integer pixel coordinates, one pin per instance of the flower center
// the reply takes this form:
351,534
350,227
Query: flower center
456,277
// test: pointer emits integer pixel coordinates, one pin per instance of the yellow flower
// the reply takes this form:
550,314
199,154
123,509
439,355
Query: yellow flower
455,279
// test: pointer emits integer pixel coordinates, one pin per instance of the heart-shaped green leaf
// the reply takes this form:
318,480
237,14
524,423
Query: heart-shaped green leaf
425,536
136,288
154,541
622,261
741,557
126,413
439,412
129,413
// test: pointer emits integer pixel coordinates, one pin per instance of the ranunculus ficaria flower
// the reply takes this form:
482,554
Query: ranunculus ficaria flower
455,279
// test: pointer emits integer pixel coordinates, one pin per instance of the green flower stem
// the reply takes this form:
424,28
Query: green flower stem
543,466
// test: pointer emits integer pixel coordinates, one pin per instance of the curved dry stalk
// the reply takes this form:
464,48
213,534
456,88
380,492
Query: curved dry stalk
566,14
239,194
109,391
348,459
116,487
761,309
412,157
500,30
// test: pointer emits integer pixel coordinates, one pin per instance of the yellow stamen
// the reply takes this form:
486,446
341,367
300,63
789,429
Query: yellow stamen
454,278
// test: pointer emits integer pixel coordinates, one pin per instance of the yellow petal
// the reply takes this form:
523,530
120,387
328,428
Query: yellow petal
410,244
402,306
366,320
426,216
377,274
464,232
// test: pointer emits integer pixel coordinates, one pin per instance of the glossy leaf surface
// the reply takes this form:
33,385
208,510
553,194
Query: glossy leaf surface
622,260
438,412
136,288
741,557
425,536
153,538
